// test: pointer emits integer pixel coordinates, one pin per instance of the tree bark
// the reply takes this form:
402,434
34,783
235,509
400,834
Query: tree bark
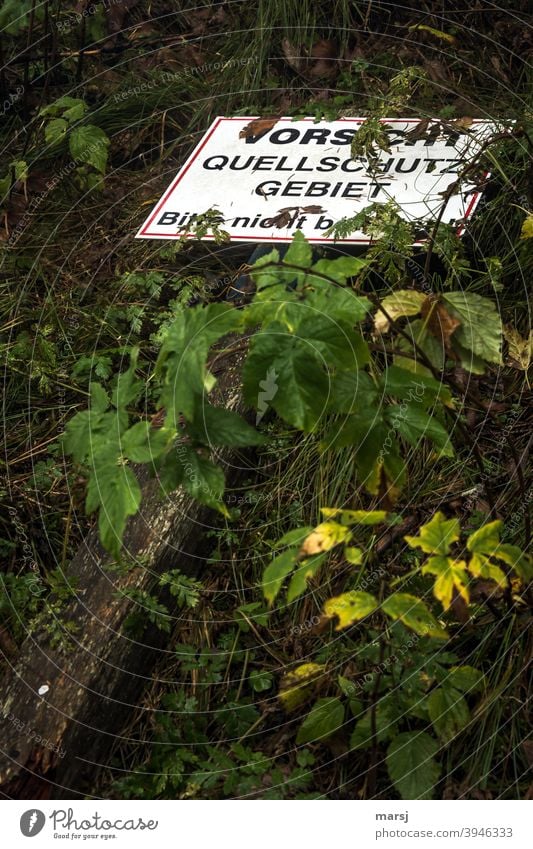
53,742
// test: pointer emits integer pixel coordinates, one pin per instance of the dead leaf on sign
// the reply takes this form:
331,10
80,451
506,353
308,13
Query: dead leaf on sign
257,128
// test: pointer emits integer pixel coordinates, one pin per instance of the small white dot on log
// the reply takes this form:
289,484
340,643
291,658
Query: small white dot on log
43,690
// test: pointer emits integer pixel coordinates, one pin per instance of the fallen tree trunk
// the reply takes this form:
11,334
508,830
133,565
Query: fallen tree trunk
62,709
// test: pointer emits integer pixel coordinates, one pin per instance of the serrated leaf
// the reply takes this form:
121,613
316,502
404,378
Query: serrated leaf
115,490
128,386
436,536
448,712
403,384
481,326
482,567
143,444
55,130
340,269
99,398
266,276
337,303
324,719
486,539
324,537
203,479
89,144
411,764
300,253
451,577
414,614
350,607
516,559
350,391
181,364
398,304
414,424
217,426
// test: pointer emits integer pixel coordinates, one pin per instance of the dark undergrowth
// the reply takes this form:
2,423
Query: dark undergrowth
77,293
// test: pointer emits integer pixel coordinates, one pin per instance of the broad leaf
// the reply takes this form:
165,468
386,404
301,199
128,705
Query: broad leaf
355,517
403,302
115,491
350,607
411,764
406,386
216,426
467,679
305,571
415,424
298,685
414,614
340,269
324,537
143,444
481,327
451,576
436,536
324,719
448,712
89,144
276,572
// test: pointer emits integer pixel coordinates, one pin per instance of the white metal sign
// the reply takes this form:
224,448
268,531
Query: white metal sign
299,175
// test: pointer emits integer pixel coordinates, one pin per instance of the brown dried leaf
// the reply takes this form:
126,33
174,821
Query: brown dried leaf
257,128
520,350
293,55
283,219
438,321
326,54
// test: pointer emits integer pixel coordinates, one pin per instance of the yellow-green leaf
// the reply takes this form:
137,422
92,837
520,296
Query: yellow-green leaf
527,228
350,607
298,685
450,575
353,555
355,517
437,536
401,303
413,613
486,539
438,33
481,567
324,537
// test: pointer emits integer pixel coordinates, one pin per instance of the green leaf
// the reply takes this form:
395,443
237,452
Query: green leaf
436,536
398,304
516,559
386,727
324,719
413,613
267,276
89,144
324,537
464,678
260,680
406,386
294,536
415,424
350,391
181,364
68,105
128,386
353,555
217,426
276,572
55,130
334,341
350,607
481,328
411,764
99,398
307,570
448,712
202,478
142,443
527,227
336,303
301,386
115,490
340,269
451,576
486,539
300,253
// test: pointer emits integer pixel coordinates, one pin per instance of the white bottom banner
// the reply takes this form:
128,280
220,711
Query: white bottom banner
302,824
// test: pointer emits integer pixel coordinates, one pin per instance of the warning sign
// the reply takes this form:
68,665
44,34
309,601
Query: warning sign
300,175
